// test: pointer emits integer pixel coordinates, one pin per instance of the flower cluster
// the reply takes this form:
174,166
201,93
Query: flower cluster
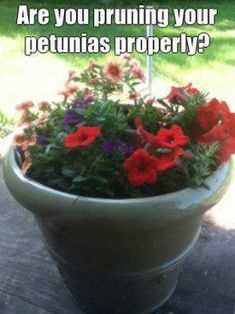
217,124
107,139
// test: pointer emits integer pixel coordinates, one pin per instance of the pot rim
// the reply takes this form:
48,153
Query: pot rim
224,168
139,213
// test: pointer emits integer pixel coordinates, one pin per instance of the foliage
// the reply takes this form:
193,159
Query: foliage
108,139
5,125
200,166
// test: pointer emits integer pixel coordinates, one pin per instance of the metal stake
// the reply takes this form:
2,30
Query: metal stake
149,61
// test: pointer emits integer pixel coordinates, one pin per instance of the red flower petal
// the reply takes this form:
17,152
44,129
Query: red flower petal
179,94
71,140
229,123
84,136
174,93
209,115
141,167
147,137
218,134
169,160
191,90
171,138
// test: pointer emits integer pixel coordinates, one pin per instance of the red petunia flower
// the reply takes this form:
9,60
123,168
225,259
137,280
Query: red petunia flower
174,94
179,94
229,123
142,168
84,137
171,138
225,111
209,115
166,138
169,160
146,136
218,134
191,90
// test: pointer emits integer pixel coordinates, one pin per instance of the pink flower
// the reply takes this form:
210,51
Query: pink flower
94,81
72,74
43,105
134,95
25,105
24,124
41,120
91,66
149,102
20,141
87,93
29,142
136,72
27,163
114,72
127,57
24,120
69,90
134,63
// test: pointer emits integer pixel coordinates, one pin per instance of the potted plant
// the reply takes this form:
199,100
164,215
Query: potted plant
118,182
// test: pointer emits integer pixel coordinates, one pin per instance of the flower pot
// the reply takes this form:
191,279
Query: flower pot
118,256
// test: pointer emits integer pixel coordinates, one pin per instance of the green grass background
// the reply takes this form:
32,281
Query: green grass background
40,77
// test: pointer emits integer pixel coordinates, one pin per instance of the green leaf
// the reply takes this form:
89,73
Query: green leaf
79,179
67,172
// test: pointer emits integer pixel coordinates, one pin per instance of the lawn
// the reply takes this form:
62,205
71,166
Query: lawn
41,76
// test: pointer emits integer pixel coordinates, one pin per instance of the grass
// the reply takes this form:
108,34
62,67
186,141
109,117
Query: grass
41,76
5,125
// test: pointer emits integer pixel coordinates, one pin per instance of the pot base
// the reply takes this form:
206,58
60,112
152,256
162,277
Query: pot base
97,294
163,301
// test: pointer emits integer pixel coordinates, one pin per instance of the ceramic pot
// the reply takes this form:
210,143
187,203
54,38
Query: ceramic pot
118,256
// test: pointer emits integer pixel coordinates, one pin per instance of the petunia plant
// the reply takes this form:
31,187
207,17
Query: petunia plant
107,138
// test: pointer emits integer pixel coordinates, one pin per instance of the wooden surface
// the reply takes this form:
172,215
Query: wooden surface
31,284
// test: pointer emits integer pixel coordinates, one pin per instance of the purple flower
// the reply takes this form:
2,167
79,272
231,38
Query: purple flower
71,117
83,103
41,139
111,147
127,150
